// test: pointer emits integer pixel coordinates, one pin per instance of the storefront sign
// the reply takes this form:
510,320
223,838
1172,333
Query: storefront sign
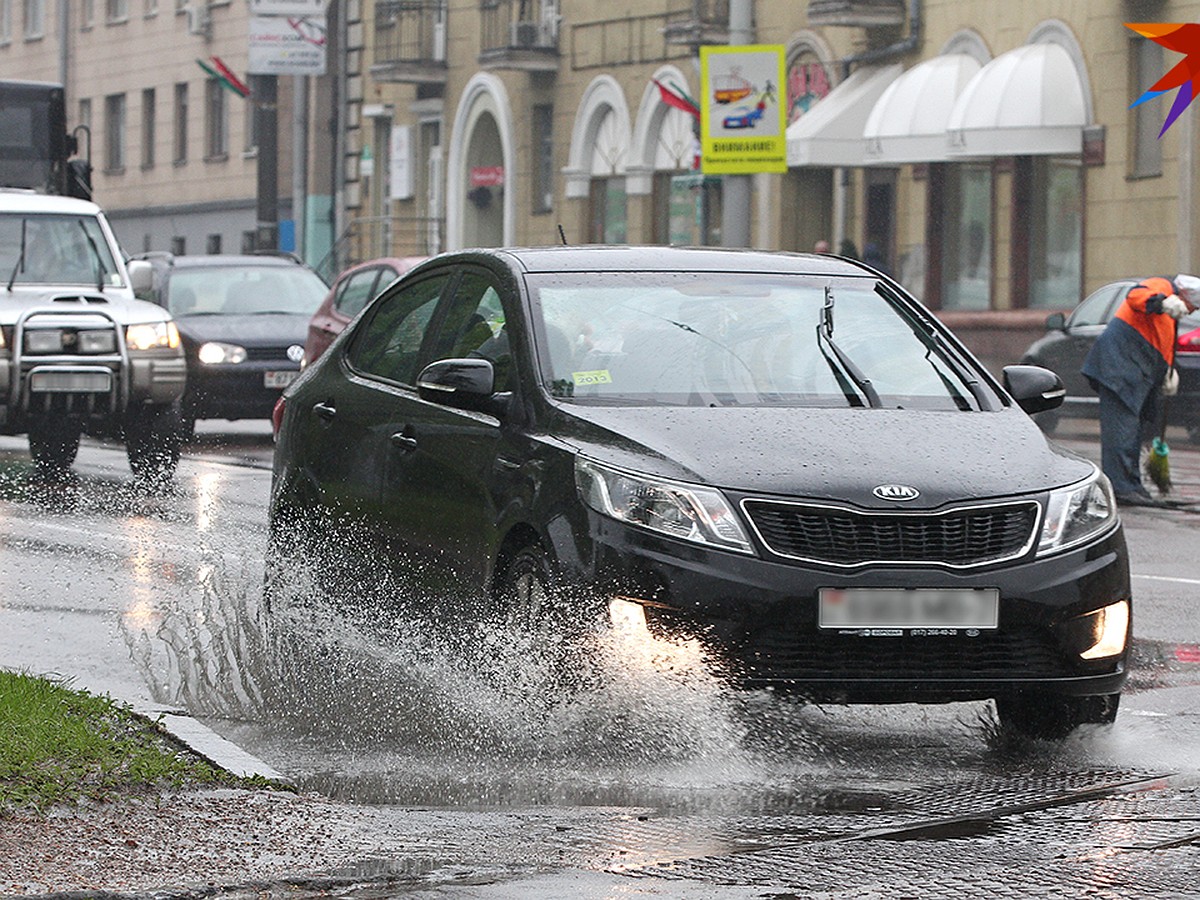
487,176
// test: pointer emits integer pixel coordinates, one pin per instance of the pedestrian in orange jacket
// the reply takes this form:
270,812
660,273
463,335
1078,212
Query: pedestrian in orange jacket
1129,366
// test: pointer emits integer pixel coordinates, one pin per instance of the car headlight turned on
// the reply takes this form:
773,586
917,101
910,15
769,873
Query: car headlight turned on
216,353
1109,631
152,336
688,512
1076,513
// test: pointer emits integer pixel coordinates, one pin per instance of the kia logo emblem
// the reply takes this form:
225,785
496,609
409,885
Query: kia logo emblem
896,492
295,353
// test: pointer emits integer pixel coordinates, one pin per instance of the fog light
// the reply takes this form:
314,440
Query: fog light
626,614
43,341
1111,630
97,342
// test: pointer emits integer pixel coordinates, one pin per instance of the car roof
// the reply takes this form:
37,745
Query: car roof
634,258
19,200
222,260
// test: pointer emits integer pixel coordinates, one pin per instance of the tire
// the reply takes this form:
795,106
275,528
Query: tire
54,444
153,436
524,593
1054,718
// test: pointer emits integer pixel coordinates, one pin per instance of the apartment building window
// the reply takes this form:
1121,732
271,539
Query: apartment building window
250,128
117,10
85,113
35,19
178,245
543,158
5,21
249,241
87,14
149,135
181,123
212,244
114,133
150,9
216,121
1145,121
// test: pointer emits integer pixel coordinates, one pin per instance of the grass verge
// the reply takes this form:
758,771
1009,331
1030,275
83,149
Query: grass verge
63,746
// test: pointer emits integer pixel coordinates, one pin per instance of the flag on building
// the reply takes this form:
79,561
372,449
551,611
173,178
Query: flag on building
223,74
677,97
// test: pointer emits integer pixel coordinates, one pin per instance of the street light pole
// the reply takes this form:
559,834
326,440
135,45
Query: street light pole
736,189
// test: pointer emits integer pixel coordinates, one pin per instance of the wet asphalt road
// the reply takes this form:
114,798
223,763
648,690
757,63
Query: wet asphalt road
651,778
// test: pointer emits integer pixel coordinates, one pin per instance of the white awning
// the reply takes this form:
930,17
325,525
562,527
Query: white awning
1028,101
908,122
831,133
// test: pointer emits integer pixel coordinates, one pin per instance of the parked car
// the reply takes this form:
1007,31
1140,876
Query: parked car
1068,339
243,321
783,456
351,291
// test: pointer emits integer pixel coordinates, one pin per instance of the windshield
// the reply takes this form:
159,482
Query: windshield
726,339
55,249
244,290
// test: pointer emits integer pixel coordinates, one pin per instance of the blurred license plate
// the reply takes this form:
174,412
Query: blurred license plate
70,382
909,608
279,379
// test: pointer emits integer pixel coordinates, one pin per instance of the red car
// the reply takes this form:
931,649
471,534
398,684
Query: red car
353,289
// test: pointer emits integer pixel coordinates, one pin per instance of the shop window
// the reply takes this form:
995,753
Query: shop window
967,237
607,211
1055,223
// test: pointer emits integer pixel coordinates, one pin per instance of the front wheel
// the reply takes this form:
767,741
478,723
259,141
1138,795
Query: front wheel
1053,718
153,435
54,444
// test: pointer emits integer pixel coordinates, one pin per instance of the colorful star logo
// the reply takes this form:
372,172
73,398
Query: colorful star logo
1182,38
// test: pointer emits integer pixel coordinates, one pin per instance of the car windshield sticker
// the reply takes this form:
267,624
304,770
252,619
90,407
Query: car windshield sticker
596,376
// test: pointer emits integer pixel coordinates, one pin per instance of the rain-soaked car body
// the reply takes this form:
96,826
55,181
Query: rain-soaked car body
784,456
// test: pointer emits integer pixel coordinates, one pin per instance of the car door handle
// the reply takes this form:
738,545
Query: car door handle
404,441
325,410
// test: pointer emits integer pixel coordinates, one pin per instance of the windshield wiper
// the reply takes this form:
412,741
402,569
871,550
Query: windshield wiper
101,269
933,340
850,370
20,259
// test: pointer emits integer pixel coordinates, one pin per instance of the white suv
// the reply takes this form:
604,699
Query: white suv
79,354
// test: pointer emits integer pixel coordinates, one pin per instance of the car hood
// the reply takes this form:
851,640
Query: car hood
261,330
118,303
833,454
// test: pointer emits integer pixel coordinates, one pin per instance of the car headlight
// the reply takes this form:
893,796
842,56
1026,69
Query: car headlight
216,353
688,512
1076,513
152,336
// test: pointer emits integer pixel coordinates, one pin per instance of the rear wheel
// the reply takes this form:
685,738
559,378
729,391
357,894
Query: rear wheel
153,435
1053,718
54,444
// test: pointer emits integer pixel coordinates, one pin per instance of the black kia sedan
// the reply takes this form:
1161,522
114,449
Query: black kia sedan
782,456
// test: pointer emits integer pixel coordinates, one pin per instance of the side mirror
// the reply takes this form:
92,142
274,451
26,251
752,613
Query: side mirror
1056,322
1035,389
461,383
141,276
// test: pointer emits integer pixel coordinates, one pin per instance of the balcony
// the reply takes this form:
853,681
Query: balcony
859,13
519,34
695,22
410,41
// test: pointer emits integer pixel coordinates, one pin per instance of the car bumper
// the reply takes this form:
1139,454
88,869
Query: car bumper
236,392
757,619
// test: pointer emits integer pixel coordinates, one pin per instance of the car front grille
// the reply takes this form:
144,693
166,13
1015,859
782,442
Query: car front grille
960,538
839,658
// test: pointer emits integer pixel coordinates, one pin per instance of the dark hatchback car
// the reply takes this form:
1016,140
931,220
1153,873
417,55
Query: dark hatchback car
784,456
243,321
1068,339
